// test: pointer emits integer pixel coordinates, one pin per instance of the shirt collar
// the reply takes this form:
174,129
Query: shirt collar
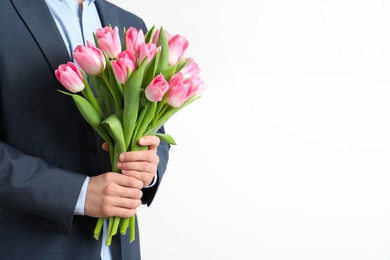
71,2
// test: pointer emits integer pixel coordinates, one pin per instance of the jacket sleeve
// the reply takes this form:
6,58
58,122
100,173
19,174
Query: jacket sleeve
38,190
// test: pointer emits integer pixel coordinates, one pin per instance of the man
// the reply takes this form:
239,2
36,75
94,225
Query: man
55,178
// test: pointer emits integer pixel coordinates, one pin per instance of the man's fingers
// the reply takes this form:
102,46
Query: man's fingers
105,146
139,156
113,181
151,141
113,194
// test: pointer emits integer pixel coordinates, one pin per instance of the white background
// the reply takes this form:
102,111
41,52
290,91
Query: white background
286,155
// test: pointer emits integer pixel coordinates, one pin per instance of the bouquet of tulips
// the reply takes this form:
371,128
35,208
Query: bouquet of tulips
128,91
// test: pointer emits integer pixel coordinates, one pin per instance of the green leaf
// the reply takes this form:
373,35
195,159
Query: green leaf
181,64
143,122
124,47
163,42
89,95
113,125
131,96
96,40
108,80
168,72
149,34
86,109
150,70
166,138
105,100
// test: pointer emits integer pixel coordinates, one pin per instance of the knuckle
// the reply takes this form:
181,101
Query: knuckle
136,194
126,213
140,193
137,183
109,189
132,212
105,210
136,204
134,182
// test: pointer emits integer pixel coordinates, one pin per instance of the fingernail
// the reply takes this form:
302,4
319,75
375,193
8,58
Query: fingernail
121,157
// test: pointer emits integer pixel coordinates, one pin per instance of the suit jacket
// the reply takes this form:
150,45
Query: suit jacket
46,147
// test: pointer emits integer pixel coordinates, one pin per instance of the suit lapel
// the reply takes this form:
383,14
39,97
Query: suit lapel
108,16
42,26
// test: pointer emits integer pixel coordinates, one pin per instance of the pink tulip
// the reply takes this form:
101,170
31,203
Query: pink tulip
197,86
191,73
178,91
147,50
134,38
90,59
177,46
124,61
191,70
70,77
155,91
157,35
109,41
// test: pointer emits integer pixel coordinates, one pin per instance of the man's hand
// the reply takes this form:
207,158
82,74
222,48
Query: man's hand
141,165
112,194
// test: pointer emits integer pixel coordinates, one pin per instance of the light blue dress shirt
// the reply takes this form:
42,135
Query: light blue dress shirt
75,25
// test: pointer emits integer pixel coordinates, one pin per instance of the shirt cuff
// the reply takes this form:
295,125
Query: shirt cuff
79,210
153,182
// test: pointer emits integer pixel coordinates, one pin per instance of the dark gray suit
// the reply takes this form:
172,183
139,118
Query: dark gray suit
46,147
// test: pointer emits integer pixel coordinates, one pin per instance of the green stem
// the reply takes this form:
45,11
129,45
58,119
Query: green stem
162,112
124,225
88,94
115,223
98,228
109,230
160,105
132,229
115,226
114,93
144,121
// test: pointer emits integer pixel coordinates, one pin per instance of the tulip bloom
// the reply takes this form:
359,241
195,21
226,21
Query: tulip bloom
90,59
178,91
191,70
134,38
70,77
191,73
177,46
123,62
197,87
109,41
155,91
157,35
147,50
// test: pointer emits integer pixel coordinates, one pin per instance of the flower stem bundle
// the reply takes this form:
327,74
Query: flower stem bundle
126,91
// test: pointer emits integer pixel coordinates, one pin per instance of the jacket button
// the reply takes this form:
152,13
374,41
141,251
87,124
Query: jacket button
91,149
